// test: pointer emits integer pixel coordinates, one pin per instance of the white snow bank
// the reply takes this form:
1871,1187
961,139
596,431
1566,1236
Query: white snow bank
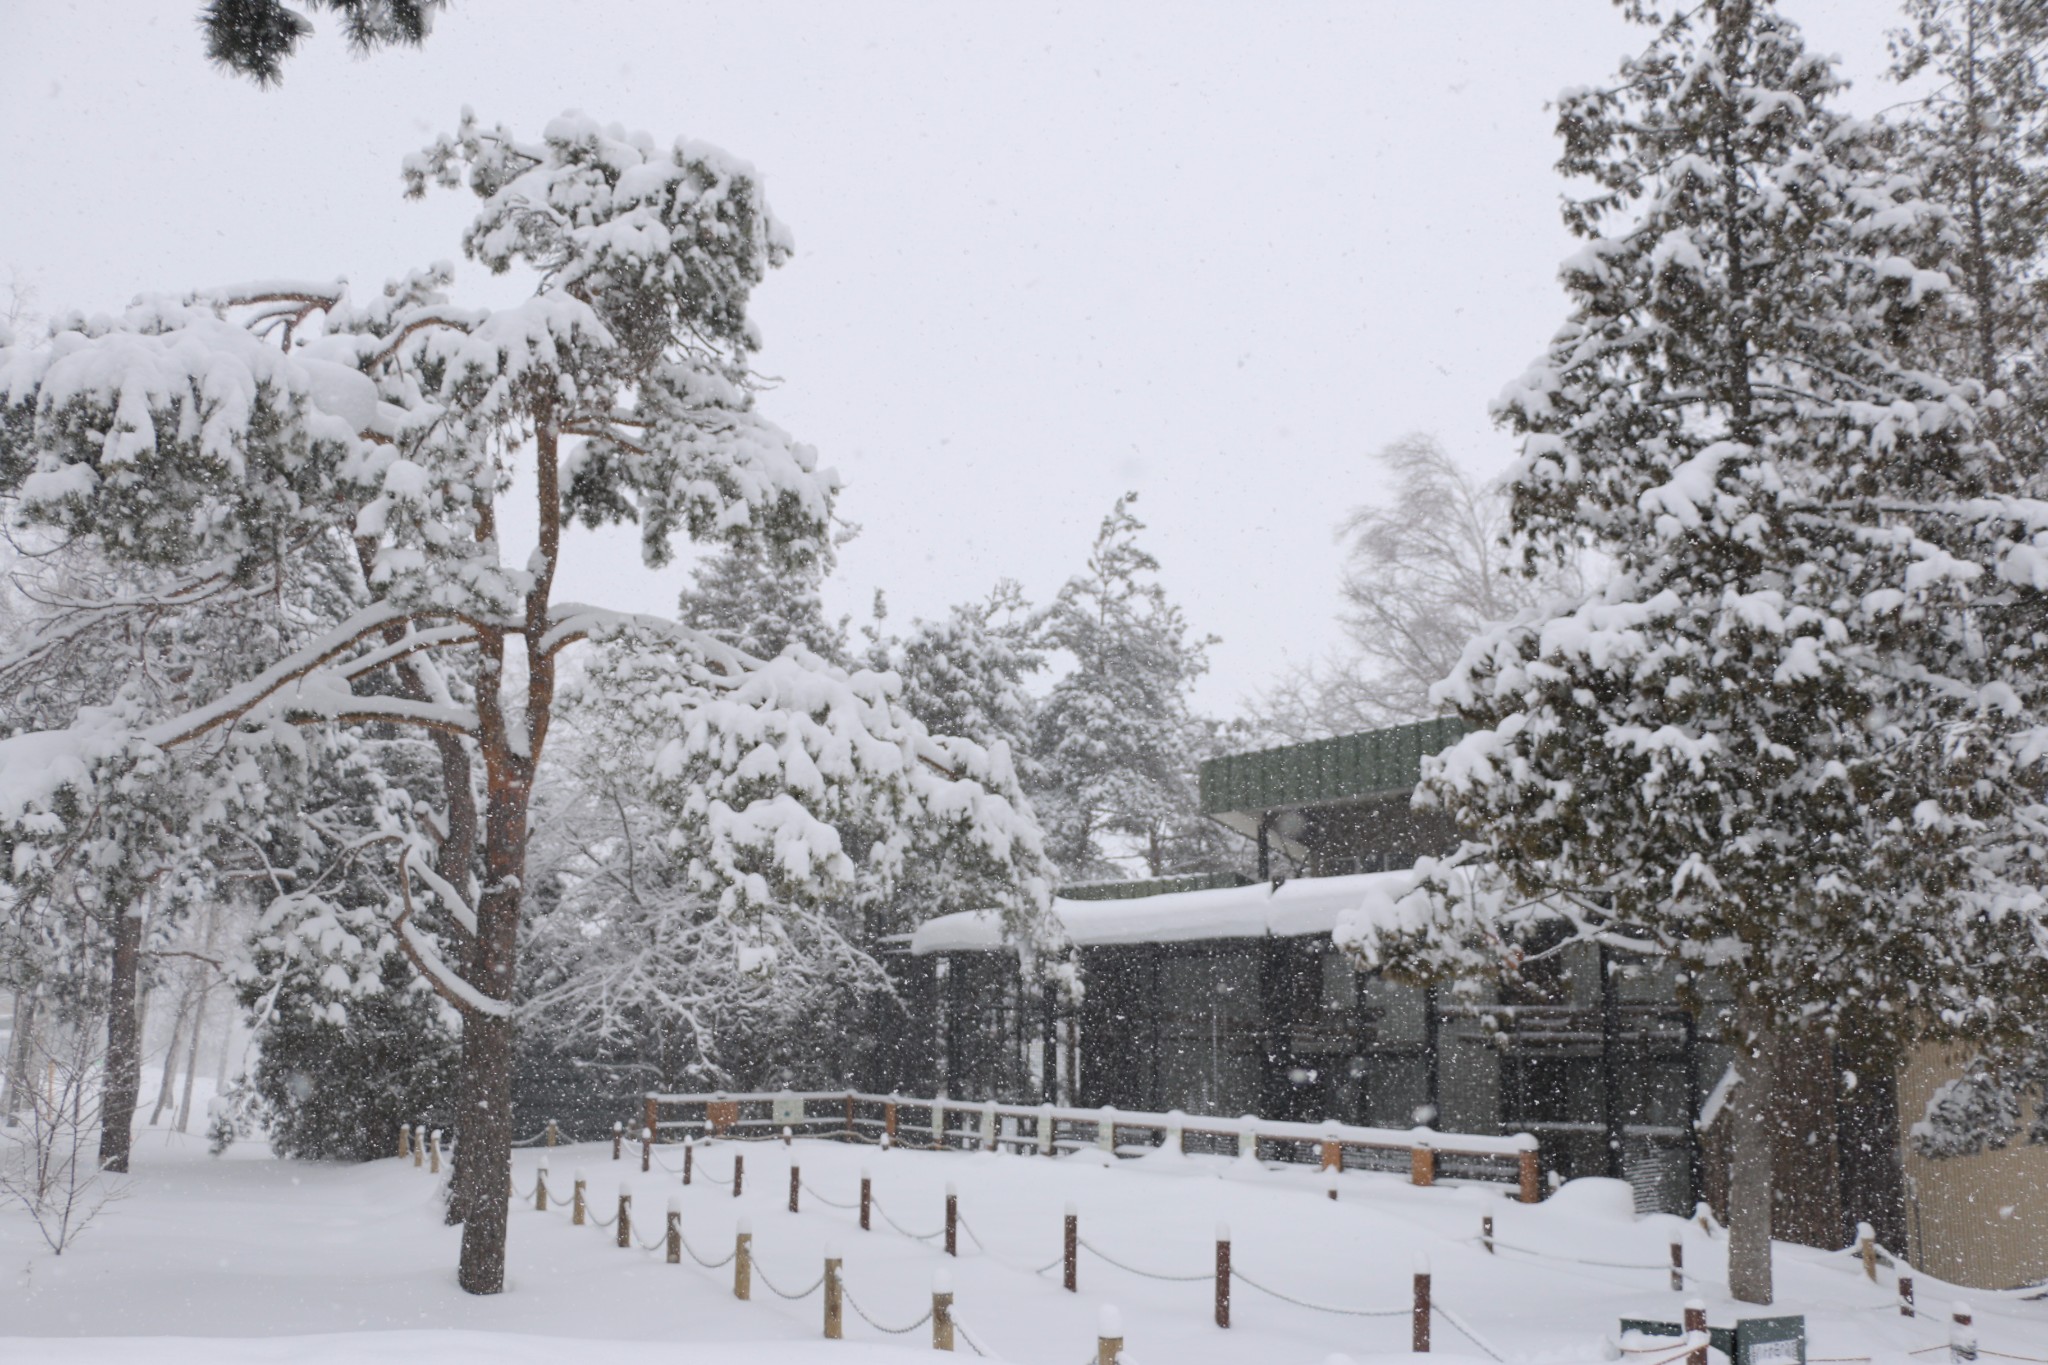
435,1348
1305,905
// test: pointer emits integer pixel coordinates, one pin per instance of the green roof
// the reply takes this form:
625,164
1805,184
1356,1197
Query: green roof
1150,886
1324,771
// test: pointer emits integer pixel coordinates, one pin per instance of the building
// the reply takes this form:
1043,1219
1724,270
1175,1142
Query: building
1227,995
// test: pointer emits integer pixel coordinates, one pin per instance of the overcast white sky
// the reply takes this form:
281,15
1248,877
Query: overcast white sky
1216,253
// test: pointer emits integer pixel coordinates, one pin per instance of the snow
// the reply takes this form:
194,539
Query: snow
1307,905
253,1260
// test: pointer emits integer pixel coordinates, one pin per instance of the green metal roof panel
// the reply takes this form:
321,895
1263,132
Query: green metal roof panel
1325,770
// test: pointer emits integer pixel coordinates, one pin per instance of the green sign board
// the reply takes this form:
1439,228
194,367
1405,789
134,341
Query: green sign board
1751,1341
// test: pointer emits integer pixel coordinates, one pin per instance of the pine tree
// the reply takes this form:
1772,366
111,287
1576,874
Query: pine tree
254,37
738,596
1116,736
1763,747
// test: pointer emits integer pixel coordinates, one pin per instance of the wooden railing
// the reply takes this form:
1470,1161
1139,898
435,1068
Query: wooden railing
947,1124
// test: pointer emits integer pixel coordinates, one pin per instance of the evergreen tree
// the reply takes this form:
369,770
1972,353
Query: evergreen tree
1769,745
254,37
739,596
1116,736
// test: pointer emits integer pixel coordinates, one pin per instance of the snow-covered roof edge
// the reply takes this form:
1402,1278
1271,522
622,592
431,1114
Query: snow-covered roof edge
1304,905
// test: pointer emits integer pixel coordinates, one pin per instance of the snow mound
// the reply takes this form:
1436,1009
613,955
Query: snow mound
1594,1197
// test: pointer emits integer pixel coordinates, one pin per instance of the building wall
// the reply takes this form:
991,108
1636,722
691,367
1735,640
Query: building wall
1975,1220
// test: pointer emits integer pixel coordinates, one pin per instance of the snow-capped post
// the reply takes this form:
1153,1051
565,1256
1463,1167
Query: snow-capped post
851,1131
942,1311
796,1180
1962,1336
739,1172
1696,1331
625,1219
988,1127
675,1229
1677,1266
1109,1336
540,1189
1906,1309
1866,1247
1332,1154
553,1133
1248,1137
1105,1130
1223,1274
1422,1160
939,1122
1330,1182
1531,1176
1070,1252
404,1142
952,1220
689,1157
618,1140
788,1137
1486,1233
867,1197
646,1150
419,1144
1419,1314
835,1320
889,1122
651,1120
743,1260
1045,1130
434,1152
578,1205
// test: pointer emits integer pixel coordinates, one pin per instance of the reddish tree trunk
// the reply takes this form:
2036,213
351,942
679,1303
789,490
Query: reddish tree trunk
123,1084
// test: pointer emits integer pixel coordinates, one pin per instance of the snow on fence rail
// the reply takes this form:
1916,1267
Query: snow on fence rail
944,1124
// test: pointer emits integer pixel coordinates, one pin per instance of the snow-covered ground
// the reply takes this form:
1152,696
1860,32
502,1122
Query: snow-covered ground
353,1263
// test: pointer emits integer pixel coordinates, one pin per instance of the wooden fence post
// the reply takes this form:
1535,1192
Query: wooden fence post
743,1261
788,1136
419,1144
835,1319
652,1121
850,1129
1070,1252
1105,1130
739,1172
942,1311
1866,1247
1530,1178
646,1150
552,1132
404,1142
618,1139
1109,1337
625,1217
1696,1331
1962,1337
795,1183
1223,1274
1046,1125
867,1198
540,1188
952,1220
1419,1318
889,1122
1486,1233
689,1157
1422,1164
1906,1309
1677,1267
576,1207
434,1152
675,1229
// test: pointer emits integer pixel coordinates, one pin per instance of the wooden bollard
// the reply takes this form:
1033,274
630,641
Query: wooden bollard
552,1132
1906,1309
1419,1314
434,1152
835,1314
577,1204
1332,1155
1962,1336
1696,1331
942,1311
867,1198
540,1189
1223,1274
689,1157
889,1123
646,1150
787,1136
1531,1178
952,1220
650,1119
419,1144
1070,1252
675,1229
739,1172
625,1219
1486,1233
850,1129
1109,1336
1866,1247
743,1261
1678,1267
618,1139
404,1142
796,1183
1422,1165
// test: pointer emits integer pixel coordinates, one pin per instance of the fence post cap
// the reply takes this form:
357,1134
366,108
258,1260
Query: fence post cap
785,1130
942,1282
1223,1232
1422,1263
1071,1212
832,1251
625,1190
1865,1233
617,1126
744,1227
1695,1305
1960,1308
646,1133
952,1191
675,1203
1109,1109
579,1177
1108,1322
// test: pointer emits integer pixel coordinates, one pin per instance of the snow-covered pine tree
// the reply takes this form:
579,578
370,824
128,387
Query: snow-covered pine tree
1116,736
217,435
1765,746
254,37
759,606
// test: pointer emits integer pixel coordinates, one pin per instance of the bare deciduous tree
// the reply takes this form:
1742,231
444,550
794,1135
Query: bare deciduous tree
46,1164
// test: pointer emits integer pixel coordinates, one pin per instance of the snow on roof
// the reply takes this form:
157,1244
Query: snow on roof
1305,905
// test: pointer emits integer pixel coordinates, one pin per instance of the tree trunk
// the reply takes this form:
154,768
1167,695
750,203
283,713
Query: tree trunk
123,1084
1751,1158
167,1084
20,1047
192,1059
